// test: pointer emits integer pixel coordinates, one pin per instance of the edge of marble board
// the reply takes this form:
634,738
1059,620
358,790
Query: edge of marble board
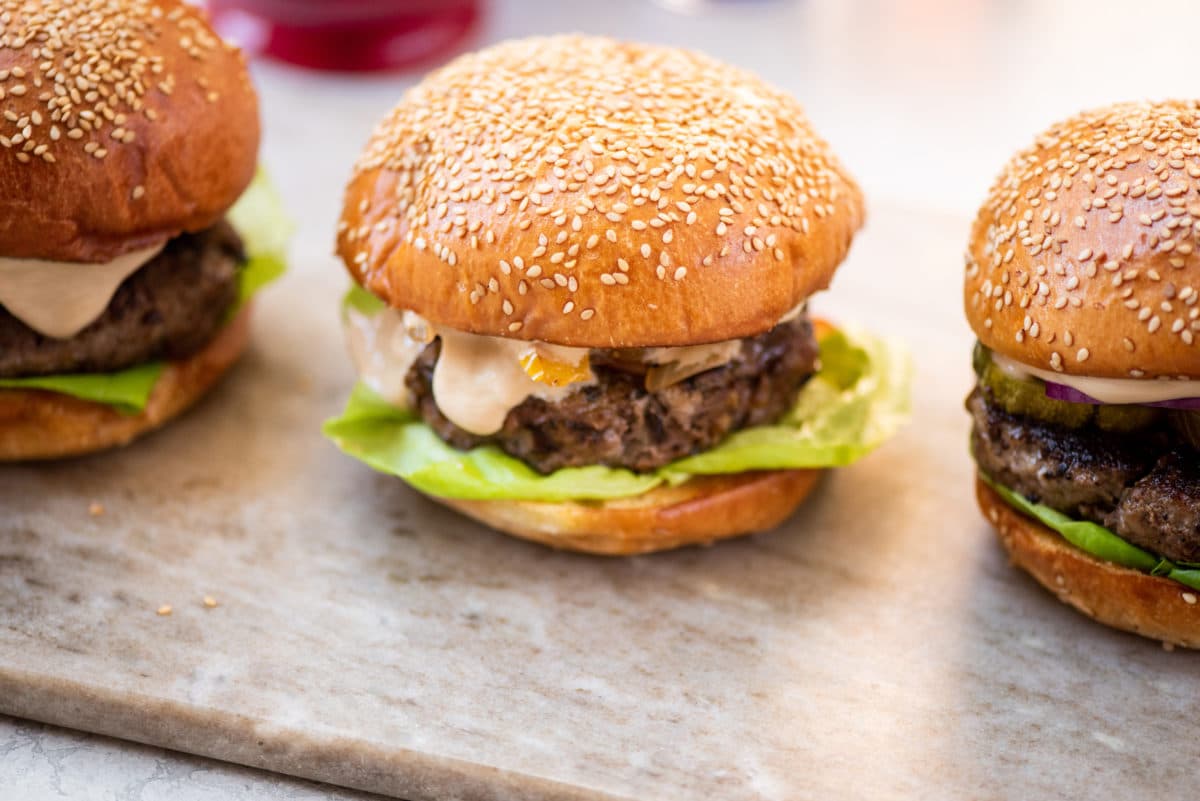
342,761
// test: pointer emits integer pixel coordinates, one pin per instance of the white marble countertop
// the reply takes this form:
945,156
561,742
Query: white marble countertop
923,100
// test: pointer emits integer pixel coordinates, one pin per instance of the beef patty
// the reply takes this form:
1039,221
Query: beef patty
1142,486
170,308
616,422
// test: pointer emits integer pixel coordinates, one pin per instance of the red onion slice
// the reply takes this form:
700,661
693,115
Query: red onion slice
1064,393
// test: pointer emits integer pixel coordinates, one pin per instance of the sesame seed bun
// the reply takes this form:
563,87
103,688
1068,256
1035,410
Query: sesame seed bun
697,512
48,425
1126,599
593,193
1084,257
157,135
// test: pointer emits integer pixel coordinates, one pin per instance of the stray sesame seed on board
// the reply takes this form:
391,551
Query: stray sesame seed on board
637,164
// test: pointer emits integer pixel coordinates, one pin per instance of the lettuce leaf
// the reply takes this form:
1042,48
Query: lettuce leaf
857,400
362,301
264,227
127,391
1097,540
261,220
394,440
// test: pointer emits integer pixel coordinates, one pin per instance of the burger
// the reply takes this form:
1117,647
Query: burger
1082,282
129,130
582,269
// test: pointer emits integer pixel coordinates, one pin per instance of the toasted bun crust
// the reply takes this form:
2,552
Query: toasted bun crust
47,425
157,136
1084,257
697,512
587,192
1126,599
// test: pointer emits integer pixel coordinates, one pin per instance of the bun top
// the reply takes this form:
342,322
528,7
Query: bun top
1083,258
124,123
593,193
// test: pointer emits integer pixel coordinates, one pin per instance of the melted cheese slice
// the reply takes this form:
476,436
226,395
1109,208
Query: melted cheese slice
59,299
1105,390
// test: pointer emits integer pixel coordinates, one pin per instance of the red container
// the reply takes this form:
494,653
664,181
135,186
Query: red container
348,35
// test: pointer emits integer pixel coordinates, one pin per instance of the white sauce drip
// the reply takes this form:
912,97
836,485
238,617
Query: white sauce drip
1105,390
59,299
383,347
478,379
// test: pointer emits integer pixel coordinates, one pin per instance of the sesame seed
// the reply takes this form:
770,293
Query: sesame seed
578,161
1078,173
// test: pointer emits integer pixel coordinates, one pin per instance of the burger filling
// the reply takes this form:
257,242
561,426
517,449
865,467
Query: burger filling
1132,469
459,415
554,407
628,413
168,307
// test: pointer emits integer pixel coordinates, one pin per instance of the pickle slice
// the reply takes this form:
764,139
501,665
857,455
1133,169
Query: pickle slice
1187,423
1028,399
1126,418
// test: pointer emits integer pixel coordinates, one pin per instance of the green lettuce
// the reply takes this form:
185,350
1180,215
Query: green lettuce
858,399
1097,540
127,391
264,227
262,222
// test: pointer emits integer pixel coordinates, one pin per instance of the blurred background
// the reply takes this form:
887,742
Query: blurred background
924,99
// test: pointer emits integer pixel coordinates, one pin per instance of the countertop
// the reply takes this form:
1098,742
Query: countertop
923,101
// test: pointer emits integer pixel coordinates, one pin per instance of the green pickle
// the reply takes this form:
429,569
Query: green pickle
1126,418
1028,399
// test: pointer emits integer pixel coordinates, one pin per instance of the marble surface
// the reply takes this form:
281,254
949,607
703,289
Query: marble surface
876,646
367,637
40,762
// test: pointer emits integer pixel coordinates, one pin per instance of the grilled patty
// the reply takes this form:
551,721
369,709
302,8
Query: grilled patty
168,309
615,421
1143,486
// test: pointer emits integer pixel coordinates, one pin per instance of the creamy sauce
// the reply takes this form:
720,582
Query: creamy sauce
1105,390
59,299
383,348
477,379
696,358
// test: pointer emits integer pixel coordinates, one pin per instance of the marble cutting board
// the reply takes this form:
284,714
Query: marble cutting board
875,646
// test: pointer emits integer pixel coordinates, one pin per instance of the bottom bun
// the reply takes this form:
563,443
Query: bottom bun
1117,596
36,424
699,511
